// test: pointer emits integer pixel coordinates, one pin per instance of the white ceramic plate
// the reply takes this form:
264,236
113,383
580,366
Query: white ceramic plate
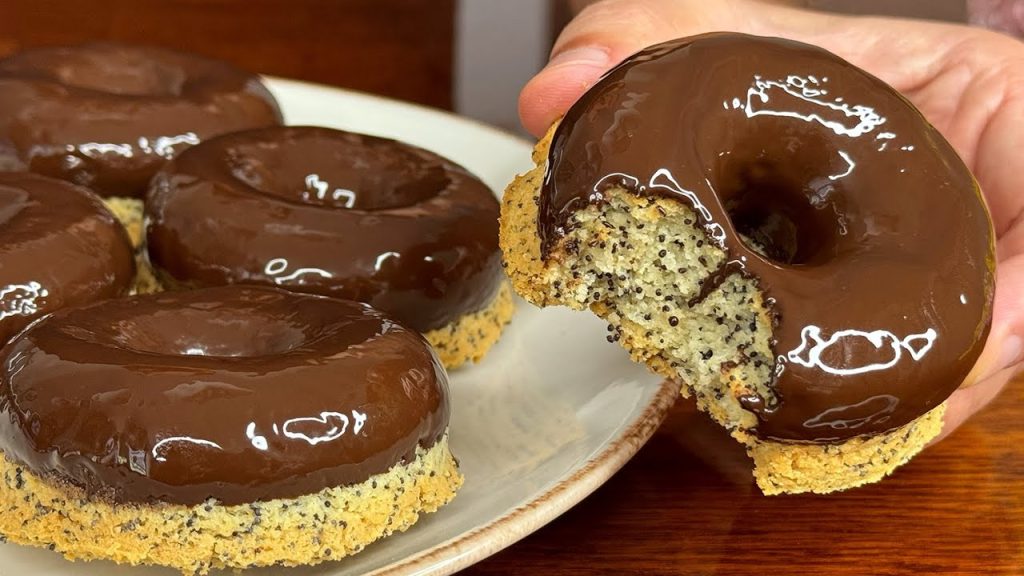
546,418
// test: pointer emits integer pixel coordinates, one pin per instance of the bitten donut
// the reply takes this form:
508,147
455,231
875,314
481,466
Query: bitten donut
107,116
220,428
339,214
780,231
59,246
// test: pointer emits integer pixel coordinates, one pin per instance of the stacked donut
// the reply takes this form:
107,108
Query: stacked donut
219,329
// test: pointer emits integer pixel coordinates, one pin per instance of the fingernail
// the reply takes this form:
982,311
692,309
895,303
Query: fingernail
586,55
1013,347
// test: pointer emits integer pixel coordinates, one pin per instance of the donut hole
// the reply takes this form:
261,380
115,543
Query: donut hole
775,218
111,70
335,170
214,333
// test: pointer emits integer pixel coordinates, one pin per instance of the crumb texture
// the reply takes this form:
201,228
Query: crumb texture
468,338
129,212
517,233
328,525
646,266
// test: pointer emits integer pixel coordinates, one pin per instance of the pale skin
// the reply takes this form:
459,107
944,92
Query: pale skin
968,82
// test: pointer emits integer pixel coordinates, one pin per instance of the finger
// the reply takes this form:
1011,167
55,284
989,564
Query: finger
1004,348
998,140
549,94
602,35
1000,361
966,401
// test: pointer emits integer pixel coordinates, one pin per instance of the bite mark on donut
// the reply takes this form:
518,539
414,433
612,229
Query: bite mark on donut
722,376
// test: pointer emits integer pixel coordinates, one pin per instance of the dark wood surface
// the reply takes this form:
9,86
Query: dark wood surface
398,48
686,504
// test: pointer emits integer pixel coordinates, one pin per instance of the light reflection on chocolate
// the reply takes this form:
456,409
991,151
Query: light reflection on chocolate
59,246
107,116
851,352
882,284
239,394
874,410
328,212
22,299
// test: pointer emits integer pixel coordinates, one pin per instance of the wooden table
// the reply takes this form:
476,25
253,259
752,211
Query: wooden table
686,504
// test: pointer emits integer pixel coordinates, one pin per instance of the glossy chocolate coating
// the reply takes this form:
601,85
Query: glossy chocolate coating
332,213
108,116
879,249
59,246
240,394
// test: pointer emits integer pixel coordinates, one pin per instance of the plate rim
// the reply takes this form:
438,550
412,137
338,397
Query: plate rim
471,547
496,130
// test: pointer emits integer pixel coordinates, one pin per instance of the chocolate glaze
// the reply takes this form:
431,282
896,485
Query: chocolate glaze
232,393
59,246
332,213
108,116
878,249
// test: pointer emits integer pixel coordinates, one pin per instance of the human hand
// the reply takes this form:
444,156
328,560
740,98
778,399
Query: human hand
968,82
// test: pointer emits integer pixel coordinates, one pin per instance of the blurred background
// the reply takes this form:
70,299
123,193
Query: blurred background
470,56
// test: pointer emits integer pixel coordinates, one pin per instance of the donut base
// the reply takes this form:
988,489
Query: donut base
129,211
466,339
328,525
731,324
470,337
823,468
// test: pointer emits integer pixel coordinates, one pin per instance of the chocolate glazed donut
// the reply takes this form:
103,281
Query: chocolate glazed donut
240,394
856,217
328,212
108,116
59,246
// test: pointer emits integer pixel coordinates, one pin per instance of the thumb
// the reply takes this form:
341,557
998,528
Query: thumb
606,33
1000,361
601,36
567,76
1001,358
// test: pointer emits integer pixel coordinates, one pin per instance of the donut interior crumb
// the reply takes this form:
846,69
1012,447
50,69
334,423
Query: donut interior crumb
644,265
128,212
